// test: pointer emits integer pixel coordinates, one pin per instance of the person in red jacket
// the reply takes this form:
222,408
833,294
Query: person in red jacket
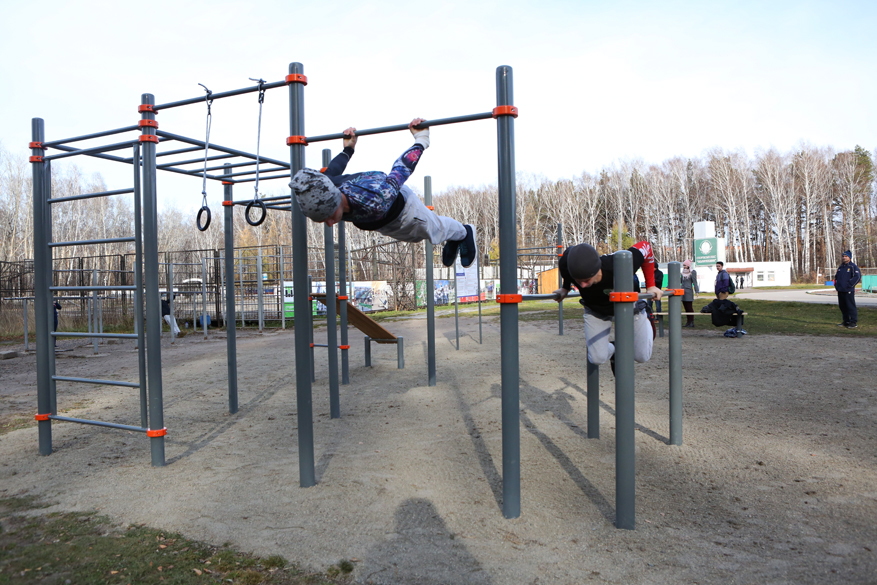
593,275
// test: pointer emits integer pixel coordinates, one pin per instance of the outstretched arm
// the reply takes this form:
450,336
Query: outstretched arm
405,164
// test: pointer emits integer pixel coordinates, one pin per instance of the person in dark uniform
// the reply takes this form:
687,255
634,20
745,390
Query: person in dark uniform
845,280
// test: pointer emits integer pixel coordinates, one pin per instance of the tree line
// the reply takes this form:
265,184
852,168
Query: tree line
805,206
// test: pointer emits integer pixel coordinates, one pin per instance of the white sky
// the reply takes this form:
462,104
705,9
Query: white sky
595,81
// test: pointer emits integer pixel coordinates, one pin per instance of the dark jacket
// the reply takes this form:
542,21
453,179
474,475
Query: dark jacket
165,308
847,277
723,282
723,312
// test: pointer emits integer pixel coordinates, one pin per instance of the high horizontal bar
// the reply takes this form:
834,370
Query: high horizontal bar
84,242
90,381
55,143
231,166
90,195
119,287
194,160
94,150
98,423
53,297
200,143
532,254
400,127
105,335
216,96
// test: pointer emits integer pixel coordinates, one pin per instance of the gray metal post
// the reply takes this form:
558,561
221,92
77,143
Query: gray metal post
508,246
230,324
48,308
429,292
204,295
26,343
342,285
593,400
241,273
282,294
94,340
456,306
480,338
368,351
100,315
260,290
170,299
153,301
138,290
674,274
42,295
625,456
310,314
331,312
304,398
400,353
559,252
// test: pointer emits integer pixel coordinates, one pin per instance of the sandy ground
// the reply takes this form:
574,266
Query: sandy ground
776,482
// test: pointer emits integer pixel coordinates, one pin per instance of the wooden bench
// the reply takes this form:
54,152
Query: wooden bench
373,330
661,314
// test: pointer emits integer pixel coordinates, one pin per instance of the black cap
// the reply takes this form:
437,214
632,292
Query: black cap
583,261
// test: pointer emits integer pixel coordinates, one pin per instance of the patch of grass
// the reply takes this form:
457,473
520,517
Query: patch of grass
14,423
87,549
764,317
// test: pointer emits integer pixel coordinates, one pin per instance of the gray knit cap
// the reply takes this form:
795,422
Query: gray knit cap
583,261
317,196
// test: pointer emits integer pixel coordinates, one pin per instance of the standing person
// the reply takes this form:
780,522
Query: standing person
723,282
56,306
740,281
169,319
594,275
691,288
845,280
374,201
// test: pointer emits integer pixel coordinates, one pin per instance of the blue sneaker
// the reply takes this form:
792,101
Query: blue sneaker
468,249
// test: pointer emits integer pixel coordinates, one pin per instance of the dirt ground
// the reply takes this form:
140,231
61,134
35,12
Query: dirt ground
776,482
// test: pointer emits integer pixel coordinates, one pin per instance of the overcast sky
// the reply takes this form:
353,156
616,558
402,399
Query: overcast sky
595,81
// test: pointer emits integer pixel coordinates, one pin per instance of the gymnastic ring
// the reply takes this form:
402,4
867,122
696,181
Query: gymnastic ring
206,225
258,203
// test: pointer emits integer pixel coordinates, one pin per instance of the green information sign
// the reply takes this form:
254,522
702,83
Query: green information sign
706,251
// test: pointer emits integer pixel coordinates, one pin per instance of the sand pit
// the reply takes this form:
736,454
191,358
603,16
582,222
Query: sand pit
776,481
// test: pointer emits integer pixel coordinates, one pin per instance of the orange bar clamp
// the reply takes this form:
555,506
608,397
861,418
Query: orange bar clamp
509,299
624,297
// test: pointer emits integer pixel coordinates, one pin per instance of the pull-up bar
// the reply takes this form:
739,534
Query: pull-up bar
400,127
215,96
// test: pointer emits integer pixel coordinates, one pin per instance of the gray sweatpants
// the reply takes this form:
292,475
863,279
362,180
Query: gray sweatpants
417,223
597,336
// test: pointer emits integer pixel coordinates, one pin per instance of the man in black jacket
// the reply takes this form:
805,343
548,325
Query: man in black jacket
845,280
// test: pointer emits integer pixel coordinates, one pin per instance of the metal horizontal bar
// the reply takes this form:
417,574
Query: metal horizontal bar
253,180
94,150
96,155
55,143
194,160
119,287
276,198
84,242
98,423
90,195
89,381
169,152
56,298
400,127
180,263
200,143
216,96
228,166
531,254
103,335
253,172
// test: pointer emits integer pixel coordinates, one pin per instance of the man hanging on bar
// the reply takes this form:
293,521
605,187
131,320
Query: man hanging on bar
375,201
594,275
